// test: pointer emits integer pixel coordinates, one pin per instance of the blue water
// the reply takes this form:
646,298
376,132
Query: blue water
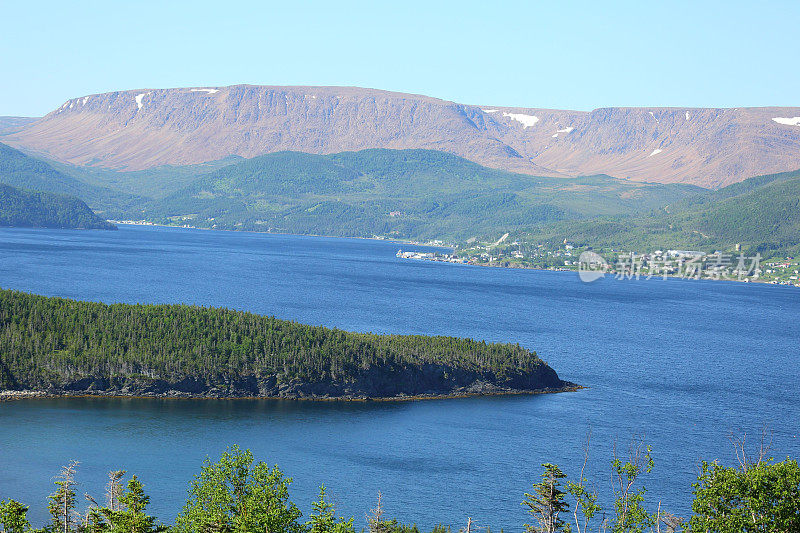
683,363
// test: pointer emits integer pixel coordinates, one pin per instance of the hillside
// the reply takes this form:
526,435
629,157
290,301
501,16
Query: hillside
427,194
401,193
145,128
12,124
21,208
23,171
61,345
761,213
152,183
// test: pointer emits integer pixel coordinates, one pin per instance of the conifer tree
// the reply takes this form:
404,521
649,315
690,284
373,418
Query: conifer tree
131,516
547,502
323,518
62,501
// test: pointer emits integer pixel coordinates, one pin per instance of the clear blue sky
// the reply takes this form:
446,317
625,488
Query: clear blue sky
558,54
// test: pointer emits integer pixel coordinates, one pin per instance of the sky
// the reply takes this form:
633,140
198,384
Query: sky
554,54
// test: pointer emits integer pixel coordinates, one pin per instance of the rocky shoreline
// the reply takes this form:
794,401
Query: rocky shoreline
476,390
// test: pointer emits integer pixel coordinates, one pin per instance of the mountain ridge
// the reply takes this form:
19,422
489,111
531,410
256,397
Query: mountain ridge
23,208
414,193
143,128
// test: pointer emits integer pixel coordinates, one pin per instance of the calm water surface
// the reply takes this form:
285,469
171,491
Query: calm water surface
682,362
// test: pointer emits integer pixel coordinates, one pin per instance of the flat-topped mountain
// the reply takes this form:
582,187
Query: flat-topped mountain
144,128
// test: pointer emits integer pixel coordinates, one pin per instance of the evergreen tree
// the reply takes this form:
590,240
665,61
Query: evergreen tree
131,518
547,502
62,501
323,518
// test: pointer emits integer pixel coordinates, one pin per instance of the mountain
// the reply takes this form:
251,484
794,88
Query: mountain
155,182
140,129
419,194
21,170
12,124
21,208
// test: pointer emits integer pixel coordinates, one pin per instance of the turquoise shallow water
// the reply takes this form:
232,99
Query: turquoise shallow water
682,362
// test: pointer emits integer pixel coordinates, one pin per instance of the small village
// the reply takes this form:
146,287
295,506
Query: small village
688,264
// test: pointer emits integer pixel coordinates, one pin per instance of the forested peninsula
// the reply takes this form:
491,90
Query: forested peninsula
59,346
35,209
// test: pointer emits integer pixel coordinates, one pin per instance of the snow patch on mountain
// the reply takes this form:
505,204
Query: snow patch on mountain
209,91
655,152
139,97
527,121
794,121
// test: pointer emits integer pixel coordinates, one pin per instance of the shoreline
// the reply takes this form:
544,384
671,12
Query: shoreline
13,395
374,238
610,275
443,246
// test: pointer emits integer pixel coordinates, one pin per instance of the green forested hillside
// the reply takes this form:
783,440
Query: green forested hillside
426,194
66,344
401,193
21,208
150,184
20,170
762,214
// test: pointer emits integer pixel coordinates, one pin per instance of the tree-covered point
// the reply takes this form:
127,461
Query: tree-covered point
22,208
25,172
55,343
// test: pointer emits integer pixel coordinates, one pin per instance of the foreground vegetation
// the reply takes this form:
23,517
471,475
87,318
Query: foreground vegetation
238,495
55,343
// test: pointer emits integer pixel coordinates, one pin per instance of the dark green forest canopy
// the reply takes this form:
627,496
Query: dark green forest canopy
399,193
66,344
762,214
25,172
21,208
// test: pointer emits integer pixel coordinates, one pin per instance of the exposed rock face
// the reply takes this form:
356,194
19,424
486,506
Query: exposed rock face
375,383
148,127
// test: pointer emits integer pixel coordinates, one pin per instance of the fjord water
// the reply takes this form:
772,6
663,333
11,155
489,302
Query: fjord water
683,363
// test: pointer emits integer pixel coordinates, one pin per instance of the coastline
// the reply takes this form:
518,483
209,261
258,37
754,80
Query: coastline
609,274
13,395
431,245
394,240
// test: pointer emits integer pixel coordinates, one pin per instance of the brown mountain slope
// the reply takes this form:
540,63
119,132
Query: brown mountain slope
11,124
144,128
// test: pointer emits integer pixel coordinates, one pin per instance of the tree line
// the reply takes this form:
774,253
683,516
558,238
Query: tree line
53,342
236,494
24,208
